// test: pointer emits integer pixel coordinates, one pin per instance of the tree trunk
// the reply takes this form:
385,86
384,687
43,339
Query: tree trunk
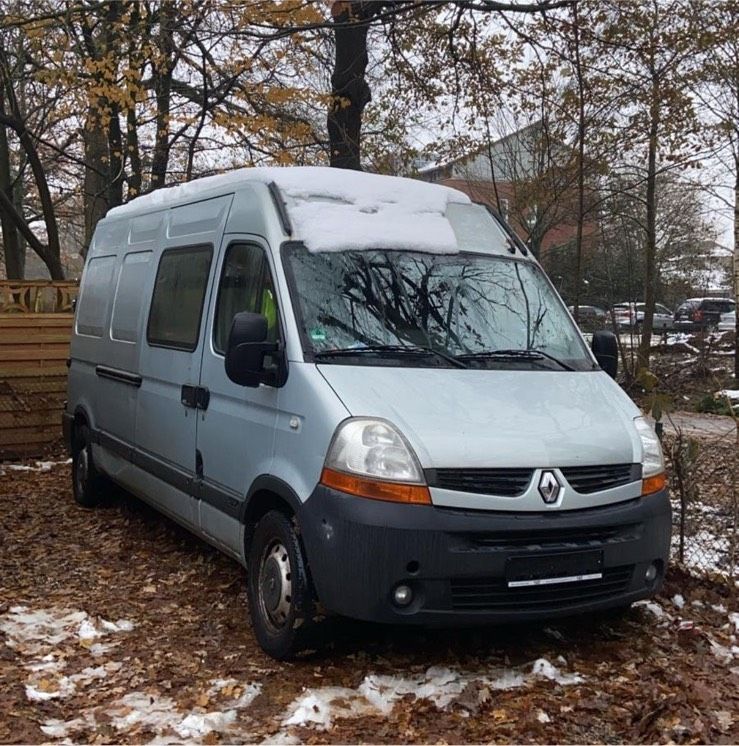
350,92
115,158
580,161
51,253
51,260
135,174
96,169
12,247
163,93
645,343
736,263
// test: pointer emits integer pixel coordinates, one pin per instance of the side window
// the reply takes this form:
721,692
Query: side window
177,301
124,324
97,287
246,285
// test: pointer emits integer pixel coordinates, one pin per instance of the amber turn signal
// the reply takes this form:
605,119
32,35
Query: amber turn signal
653,484
418,494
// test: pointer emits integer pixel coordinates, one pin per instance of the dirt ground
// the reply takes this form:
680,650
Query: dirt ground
118,626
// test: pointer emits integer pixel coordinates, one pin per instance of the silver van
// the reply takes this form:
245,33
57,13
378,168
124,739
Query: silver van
365,390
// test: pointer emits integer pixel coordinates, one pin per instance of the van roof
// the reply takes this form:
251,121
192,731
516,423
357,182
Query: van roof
333,209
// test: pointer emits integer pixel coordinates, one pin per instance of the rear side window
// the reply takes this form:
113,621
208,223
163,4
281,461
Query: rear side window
246,285
718,306
128,296
97,288
177,301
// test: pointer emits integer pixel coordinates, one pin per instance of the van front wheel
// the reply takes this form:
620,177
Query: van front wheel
280,600
87,482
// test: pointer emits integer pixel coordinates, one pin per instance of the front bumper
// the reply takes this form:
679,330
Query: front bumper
359,550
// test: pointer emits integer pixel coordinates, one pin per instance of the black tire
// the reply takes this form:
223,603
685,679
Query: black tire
280,598
87,482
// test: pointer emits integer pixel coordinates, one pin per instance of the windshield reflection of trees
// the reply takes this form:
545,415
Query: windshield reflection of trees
457,304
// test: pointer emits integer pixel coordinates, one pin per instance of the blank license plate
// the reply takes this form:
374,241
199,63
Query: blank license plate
550,569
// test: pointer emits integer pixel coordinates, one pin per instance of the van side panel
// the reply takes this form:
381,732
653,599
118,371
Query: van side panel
236,433
309,412
166,426
90,344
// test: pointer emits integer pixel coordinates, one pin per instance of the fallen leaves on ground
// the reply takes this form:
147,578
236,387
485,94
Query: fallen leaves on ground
126,629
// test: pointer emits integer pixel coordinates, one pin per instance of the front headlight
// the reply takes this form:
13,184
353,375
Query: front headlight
653,463
371,458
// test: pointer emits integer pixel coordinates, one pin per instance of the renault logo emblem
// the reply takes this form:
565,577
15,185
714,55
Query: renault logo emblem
549,487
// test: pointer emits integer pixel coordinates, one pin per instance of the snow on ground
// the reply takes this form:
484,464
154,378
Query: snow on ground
682,339
377,694
40,466
44,638
708,539
40,637
137,711
732,395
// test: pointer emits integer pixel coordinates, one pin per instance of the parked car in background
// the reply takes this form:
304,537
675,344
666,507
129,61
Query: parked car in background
727,322
628,315
590,318
702,314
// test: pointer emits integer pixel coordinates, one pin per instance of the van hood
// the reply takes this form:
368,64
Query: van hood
496,418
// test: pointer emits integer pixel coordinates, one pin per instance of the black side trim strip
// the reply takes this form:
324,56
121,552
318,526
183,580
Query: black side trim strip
220,497
132,379
113,444
178,478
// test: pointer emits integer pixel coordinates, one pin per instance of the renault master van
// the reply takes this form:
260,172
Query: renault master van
365,390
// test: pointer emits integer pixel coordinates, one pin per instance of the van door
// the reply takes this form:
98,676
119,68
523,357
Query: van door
236,432
166,410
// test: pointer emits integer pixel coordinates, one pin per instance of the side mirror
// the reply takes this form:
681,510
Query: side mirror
605,349
246,349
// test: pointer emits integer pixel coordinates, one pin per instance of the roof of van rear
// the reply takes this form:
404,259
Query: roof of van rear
332,209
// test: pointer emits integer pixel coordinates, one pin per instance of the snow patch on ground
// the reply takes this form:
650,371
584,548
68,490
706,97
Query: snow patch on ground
707,550
40,466
377,694
137,711
732,394
38,633
654,608
40,637
682,339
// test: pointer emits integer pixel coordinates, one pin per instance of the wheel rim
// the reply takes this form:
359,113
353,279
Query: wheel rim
81,472
275,585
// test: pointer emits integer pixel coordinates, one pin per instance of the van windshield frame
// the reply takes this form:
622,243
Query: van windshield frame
537,333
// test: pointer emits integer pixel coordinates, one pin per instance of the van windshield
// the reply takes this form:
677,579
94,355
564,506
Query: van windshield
487,311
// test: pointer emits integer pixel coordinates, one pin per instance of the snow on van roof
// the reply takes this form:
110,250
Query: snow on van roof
335,209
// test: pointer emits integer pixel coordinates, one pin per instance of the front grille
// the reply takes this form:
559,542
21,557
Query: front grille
555,538
588,479
504,482
480,594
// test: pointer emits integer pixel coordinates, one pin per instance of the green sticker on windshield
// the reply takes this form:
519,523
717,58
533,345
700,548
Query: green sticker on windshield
317,334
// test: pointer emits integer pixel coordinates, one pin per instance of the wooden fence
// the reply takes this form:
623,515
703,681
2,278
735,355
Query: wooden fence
34,348
37,296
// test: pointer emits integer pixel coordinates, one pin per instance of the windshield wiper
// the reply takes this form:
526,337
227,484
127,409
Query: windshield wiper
390,349
514,355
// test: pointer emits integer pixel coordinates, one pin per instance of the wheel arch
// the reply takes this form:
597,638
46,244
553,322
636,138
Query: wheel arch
79,418
268,493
